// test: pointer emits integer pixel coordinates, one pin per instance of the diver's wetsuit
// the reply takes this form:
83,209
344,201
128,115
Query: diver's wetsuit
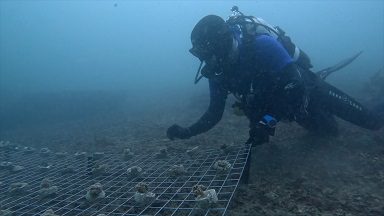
267,81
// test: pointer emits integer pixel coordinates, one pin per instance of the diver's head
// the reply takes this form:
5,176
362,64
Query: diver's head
211,37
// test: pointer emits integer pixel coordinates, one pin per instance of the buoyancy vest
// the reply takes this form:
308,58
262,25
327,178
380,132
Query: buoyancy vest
251,26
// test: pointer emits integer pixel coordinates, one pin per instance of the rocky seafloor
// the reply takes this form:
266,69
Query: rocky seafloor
295,174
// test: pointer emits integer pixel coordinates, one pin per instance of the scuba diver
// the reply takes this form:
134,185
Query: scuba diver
271,79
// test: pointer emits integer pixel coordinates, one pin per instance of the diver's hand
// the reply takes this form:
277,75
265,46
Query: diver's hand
175,131
258,136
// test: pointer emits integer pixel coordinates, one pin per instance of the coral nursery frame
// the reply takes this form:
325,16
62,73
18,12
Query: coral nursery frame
174,194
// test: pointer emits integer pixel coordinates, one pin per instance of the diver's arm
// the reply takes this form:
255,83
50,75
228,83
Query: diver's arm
213,115
287,88
210,118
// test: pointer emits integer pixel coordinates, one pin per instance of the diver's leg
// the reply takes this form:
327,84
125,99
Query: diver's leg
319,123
342,105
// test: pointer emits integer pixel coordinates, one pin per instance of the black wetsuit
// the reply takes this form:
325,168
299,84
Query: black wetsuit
267,81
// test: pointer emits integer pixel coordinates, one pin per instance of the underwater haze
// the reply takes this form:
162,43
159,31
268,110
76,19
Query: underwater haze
88,90
81,56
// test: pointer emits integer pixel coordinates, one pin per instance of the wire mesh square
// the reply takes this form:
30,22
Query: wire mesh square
74,174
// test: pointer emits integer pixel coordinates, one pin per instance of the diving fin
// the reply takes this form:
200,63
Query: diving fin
324,73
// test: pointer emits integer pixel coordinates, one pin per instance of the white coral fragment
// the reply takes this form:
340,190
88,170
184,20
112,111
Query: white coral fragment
222,166
142,195
205,198
177,170
95,192
134,171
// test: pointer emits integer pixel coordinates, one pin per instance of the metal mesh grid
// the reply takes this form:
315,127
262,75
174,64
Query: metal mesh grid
174,195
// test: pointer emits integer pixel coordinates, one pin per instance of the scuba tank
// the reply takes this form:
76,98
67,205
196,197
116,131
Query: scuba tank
251,26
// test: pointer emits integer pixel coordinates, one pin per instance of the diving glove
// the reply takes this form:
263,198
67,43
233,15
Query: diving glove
175,131
258,136
260,132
